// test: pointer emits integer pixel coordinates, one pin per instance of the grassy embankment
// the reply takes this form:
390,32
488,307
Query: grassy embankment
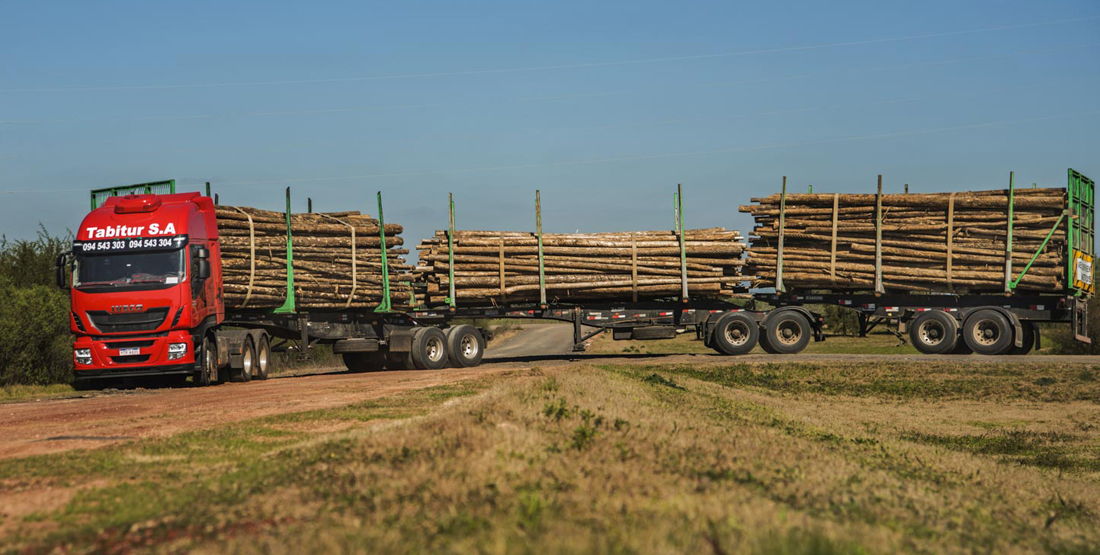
742,458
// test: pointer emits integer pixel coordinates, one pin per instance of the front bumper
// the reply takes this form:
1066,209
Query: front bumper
151,359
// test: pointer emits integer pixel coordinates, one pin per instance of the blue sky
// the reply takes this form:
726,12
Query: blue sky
605,107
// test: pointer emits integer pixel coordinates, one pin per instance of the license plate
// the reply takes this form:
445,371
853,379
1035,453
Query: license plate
130,351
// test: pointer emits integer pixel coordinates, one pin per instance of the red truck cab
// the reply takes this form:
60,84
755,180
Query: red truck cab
146,287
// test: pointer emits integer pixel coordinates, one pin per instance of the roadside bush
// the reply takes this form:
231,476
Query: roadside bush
34,313
34,330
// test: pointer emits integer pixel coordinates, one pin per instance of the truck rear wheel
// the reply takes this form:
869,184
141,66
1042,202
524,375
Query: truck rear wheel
465,345
988,332
263,358
934,332
735,334
429,349
207,374
248,362
788,332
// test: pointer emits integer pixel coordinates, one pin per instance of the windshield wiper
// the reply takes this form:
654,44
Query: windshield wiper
97,283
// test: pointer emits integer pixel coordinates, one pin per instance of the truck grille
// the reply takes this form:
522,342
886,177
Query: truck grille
128,321
130,359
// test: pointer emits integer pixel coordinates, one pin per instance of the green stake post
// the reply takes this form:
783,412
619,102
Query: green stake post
1008,240
383,306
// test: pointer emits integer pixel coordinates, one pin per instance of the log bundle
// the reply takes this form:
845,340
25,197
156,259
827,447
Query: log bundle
492,267
254,259
941,242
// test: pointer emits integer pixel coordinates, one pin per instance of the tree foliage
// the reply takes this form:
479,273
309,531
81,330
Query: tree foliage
34,313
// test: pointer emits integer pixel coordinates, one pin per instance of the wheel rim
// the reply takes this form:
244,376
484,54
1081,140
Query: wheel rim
788,332
932,332
262,358
737,333
211,367
434,349
469,346
986,332
246,363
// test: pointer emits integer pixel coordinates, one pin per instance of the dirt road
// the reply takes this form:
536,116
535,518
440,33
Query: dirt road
56,425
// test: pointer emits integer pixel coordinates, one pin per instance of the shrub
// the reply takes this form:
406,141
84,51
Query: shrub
34,330
34,313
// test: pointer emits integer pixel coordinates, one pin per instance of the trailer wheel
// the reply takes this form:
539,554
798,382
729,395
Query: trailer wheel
987,332
263,358
934,332
764,343
788,332
248,362
429,349
1029,329
735,334
465,345
364,362
207,373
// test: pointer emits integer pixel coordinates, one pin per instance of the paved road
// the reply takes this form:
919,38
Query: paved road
540,340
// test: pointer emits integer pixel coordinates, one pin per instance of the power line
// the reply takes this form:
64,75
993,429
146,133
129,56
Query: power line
566,96
579,65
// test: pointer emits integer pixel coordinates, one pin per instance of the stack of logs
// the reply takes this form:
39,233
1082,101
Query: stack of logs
942,242
503,267
254,259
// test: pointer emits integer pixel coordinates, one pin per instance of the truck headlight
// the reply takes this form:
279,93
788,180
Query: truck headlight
83,356
176,350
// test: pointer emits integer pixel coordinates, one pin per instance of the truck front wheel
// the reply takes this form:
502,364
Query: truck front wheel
207,374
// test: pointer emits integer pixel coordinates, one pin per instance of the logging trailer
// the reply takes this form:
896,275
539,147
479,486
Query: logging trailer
146,294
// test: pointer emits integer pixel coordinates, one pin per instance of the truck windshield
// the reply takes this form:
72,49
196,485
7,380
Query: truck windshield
125,269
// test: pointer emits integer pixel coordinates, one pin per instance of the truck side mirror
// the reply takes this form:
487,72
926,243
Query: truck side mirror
202,269
202,253
61,265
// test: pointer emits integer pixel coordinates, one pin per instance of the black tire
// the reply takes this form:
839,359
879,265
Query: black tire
263,359
1030,331
429,349
735,333
988,332
762,340
934,332
248,362
207,374
364,362
465,346
788,332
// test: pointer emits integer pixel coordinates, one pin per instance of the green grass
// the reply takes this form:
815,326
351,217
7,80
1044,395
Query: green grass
928,380
741,459
29,392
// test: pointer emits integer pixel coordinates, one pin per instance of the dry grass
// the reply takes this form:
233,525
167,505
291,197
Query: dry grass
622,459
